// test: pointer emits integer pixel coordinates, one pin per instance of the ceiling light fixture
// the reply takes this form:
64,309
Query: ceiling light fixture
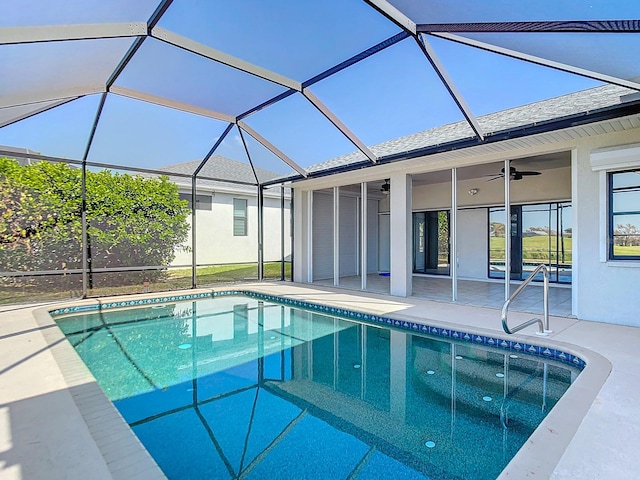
473,191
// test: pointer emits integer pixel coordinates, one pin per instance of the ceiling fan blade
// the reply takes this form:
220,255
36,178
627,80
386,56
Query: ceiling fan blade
494,178
529,173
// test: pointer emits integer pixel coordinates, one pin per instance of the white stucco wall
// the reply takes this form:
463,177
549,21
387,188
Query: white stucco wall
473,238
216,243
606,291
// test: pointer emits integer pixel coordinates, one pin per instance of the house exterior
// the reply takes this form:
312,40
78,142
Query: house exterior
227,214
580,191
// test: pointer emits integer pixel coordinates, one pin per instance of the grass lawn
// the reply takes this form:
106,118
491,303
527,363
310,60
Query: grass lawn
627,250
176,279
533,249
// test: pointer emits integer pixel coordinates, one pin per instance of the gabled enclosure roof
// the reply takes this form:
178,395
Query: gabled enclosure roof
286,86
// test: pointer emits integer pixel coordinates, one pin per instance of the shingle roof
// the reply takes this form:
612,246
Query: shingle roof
223,168
580,102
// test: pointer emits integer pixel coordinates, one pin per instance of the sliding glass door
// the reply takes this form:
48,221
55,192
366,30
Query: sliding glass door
538,233
431,242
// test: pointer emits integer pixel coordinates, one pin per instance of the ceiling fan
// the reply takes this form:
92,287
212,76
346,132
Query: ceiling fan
386,187
514,174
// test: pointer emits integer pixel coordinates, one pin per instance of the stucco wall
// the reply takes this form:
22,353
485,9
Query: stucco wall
606,291
473,238
216,243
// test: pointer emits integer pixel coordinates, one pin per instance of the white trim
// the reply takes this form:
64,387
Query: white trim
603,215
616,158
165,102
54,33
223,58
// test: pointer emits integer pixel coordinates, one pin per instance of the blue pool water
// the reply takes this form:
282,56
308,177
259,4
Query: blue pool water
235,387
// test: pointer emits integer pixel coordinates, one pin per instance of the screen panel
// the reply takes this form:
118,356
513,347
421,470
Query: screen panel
490,82
62,131
140,134
299,41
45,12
389,95
197,81
461,11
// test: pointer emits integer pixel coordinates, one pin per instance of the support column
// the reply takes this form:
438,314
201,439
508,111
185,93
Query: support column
298,235
282,264
260,233
507,229
400,239
194,243
85,235
453,235
309,245
363,234
336,236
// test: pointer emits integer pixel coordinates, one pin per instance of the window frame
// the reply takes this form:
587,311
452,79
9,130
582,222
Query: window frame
244,218
611,214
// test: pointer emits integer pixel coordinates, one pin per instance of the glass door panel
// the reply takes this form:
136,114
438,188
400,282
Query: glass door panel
496,242
539,234
431,242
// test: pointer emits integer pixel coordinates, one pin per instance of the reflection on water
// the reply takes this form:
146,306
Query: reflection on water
236,387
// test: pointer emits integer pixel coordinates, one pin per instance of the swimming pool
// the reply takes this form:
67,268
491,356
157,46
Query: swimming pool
246,386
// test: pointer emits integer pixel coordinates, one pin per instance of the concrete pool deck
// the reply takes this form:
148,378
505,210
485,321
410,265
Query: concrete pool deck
56,423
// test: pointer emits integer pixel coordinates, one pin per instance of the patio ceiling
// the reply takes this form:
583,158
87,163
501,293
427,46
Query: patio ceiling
303,88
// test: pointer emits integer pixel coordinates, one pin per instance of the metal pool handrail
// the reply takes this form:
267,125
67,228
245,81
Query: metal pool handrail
543,328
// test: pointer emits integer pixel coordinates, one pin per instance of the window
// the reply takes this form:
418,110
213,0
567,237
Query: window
624,215
203,202
239,217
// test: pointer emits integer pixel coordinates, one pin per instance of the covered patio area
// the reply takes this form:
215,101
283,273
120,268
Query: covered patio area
471,292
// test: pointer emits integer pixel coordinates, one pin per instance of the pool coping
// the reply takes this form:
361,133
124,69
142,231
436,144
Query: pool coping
538,457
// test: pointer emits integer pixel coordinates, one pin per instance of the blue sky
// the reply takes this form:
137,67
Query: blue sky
391,94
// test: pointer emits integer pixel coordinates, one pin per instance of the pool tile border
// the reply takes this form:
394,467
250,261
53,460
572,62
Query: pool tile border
501,343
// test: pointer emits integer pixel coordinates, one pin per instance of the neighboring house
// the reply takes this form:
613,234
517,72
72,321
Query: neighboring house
583,185
21,159
227,214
